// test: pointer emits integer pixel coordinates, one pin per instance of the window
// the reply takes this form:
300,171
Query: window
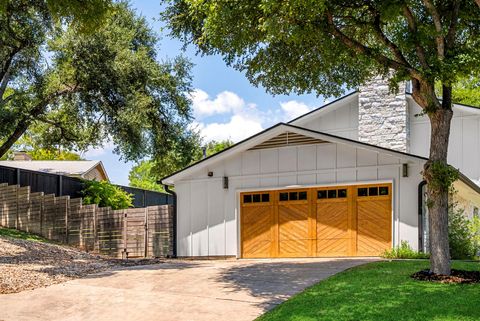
265,198
362,191
373,191
342,193
383,190
332,193
293,196
256,198
321,194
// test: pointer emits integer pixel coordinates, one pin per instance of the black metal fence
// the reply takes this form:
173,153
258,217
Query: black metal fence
61,185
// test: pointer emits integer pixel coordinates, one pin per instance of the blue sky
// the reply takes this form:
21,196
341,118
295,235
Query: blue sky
225,104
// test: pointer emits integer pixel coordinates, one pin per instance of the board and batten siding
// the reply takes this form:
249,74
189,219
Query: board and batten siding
340,119
464,144
208,214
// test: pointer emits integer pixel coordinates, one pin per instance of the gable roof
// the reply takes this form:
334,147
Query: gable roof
320,110
60,167
273,132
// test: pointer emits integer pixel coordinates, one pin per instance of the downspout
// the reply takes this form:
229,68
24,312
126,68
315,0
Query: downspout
421,203
174,220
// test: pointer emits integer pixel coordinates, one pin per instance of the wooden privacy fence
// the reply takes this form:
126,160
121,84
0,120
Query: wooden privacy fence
134,232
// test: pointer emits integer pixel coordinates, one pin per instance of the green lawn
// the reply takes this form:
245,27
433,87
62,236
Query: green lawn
21,235
383,291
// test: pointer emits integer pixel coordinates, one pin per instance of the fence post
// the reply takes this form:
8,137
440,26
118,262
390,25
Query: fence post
146,232
60,185
17,194
125,241
17,176
96,243
67,211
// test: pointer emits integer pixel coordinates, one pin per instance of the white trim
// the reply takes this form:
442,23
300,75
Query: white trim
238,206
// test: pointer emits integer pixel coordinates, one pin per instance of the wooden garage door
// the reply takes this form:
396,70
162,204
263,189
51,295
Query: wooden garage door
321,222
374,219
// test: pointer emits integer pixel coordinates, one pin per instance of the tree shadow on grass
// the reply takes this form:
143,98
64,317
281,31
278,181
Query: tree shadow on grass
381,291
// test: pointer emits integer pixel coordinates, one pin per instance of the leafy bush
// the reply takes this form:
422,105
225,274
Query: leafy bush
461,237
105,194
404,251
474,227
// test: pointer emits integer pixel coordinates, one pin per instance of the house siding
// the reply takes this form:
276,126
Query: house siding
208,214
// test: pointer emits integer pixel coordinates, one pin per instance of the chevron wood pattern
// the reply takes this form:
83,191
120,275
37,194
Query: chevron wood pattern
374,227
321,226
333,237
293,230
257,236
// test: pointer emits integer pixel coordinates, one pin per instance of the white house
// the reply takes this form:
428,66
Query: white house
342,180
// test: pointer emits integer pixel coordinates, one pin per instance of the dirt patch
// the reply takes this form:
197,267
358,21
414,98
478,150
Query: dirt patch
457,276
27,265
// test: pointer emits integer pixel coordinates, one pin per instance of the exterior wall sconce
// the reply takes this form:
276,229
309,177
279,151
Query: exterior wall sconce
225,182
210,174
405,170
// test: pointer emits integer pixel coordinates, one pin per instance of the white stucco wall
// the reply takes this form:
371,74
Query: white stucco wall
208,214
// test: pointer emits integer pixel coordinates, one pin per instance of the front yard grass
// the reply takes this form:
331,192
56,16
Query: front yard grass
383,291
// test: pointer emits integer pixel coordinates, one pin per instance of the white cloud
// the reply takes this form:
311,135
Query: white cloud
238,128
239,118
93,153
224,102
292,109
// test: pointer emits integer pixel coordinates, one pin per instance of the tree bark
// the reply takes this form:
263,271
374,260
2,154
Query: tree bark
437,194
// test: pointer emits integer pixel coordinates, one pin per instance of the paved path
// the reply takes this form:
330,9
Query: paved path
176,290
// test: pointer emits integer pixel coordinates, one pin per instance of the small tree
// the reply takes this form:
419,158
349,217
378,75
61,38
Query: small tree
105,194
326,46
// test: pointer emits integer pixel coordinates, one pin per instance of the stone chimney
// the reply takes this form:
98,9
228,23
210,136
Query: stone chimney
21,156
383,116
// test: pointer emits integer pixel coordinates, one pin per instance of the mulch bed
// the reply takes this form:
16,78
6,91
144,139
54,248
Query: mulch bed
457,276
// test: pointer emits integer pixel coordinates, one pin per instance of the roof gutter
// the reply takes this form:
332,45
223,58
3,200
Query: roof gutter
174,219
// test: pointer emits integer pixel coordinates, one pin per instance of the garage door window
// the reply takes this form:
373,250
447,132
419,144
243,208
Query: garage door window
256,198
332,193
293,196
373,191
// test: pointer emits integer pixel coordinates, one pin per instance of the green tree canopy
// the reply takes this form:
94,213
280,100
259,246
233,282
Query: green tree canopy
467,91
329,46
147,172
79,89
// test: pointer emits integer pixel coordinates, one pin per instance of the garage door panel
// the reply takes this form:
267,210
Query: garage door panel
293,248
333,247
293,229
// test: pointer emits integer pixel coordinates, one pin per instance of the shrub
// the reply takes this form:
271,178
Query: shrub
105,194
461,237
404,251
474,227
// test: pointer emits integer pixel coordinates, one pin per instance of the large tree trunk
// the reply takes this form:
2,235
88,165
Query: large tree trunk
437,194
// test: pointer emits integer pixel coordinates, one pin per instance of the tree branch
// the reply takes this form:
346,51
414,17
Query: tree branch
437,22
452,30
478,3
412,25
25,122
383,38
362,49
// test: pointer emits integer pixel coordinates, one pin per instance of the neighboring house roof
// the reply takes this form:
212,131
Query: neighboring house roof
273,132
68,168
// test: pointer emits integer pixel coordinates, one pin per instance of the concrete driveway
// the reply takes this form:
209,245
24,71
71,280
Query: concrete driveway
175,290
